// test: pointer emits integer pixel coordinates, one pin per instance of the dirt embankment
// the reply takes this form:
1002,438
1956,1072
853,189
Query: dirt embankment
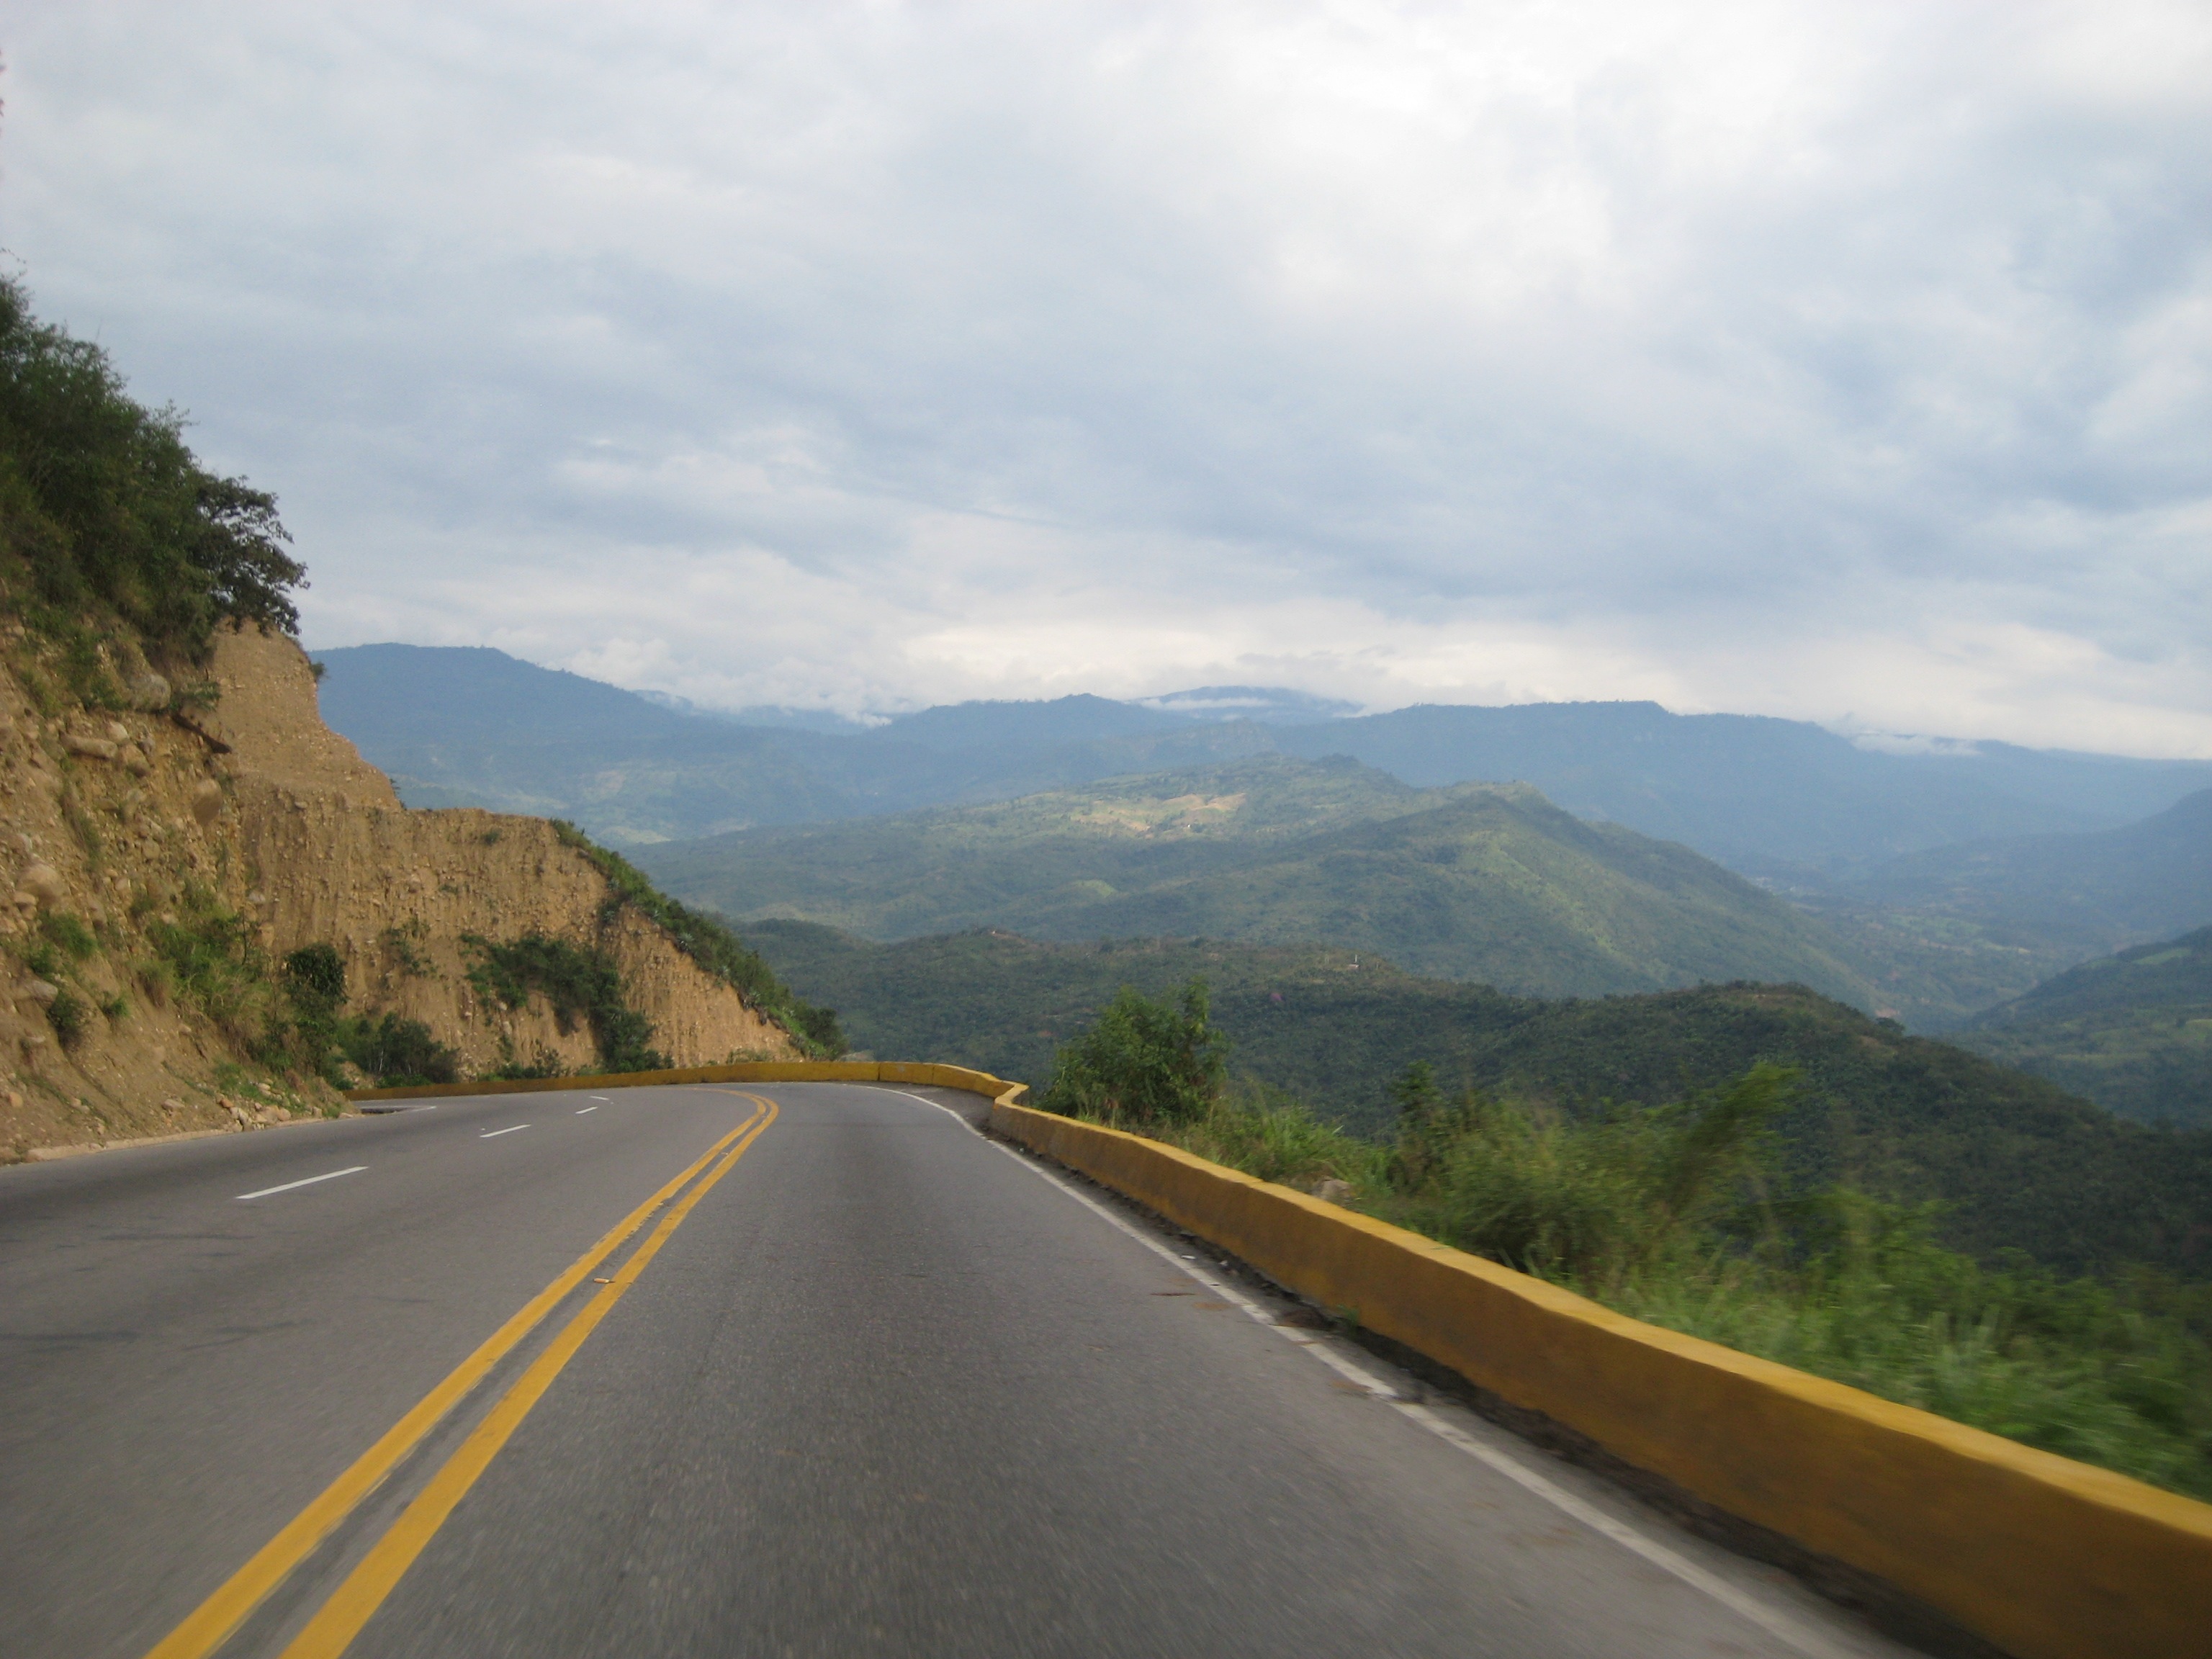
118,830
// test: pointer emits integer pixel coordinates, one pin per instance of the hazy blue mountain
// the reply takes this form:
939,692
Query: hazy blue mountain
474,726
1270,705
953,728
2146,880
1780,800
1769,797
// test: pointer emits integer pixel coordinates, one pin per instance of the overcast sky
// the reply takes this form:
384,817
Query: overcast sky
1850,362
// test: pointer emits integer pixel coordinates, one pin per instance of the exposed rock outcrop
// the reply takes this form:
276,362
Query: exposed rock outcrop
112,825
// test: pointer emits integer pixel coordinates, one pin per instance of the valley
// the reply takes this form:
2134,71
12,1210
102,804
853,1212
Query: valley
2011,1159
1934,881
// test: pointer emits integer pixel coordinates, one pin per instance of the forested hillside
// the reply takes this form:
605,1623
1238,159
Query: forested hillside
1475,882
2016,1162
2132,1031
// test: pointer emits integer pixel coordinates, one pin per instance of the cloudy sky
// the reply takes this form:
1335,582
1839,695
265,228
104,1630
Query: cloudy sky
1846,362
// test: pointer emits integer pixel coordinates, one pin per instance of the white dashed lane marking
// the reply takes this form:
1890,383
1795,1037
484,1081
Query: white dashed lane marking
266,1191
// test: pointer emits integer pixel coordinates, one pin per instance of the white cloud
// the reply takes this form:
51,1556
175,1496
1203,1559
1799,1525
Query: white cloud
1800,358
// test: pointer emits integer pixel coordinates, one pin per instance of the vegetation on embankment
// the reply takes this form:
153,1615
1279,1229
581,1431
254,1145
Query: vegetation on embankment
2016,1162
579,983
127,542
1681,1214
710,942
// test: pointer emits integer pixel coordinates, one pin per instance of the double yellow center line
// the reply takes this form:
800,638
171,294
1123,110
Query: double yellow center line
340,1618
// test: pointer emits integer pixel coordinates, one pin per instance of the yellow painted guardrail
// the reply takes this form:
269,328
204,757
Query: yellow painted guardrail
747,1071
2044,1557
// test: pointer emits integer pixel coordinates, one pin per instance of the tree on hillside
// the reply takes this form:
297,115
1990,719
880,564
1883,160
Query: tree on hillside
103,502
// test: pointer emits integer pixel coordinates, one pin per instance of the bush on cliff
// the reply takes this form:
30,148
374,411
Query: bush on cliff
111,517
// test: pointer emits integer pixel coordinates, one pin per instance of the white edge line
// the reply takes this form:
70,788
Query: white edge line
309,1182
1775,1623
581,1110
510,1130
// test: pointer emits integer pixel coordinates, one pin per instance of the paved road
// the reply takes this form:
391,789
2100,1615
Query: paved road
885,1387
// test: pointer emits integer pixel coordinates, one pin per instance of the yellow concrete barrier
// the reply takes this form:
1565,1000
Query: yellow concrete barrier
2046,1558
750,1071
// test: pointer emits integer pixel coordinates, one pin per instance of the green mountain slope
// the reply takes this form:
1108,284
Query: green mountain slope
2017,1161
2102,889
1477,881
2132,1032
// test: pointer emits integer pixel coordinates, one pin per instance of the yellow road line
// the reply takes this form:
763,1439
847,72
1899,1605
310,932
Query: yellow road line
356,1601
209,1624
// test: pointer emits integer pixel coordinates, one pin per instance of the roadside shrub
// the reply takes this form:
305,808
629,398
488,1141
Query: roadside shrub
315,979
1593,1201
398,1052
1267,1132
1144,1062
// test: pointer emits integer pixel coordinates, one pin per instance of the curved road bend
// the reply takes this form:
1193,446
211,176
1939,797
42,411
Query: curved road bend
885,1387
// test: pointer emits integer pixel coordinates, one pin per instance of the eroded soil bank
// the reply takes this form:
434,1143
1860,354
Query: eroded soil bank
244,828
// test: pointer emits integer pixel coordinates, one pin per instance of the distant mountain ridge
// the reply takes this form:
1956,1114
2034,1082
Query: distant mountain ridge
2102,889
1781,799
1482,882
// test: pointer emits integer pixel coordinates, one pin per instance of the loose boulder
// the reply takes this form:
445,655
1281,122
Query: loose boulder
44,883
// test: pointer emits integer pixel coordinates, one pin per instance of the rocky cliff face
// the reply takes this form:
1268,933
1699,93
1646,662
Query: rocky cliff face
158,864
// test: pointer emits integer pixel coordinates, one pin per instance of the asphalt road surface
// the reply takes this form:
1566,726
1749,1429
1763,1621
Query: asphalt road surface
861,1382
